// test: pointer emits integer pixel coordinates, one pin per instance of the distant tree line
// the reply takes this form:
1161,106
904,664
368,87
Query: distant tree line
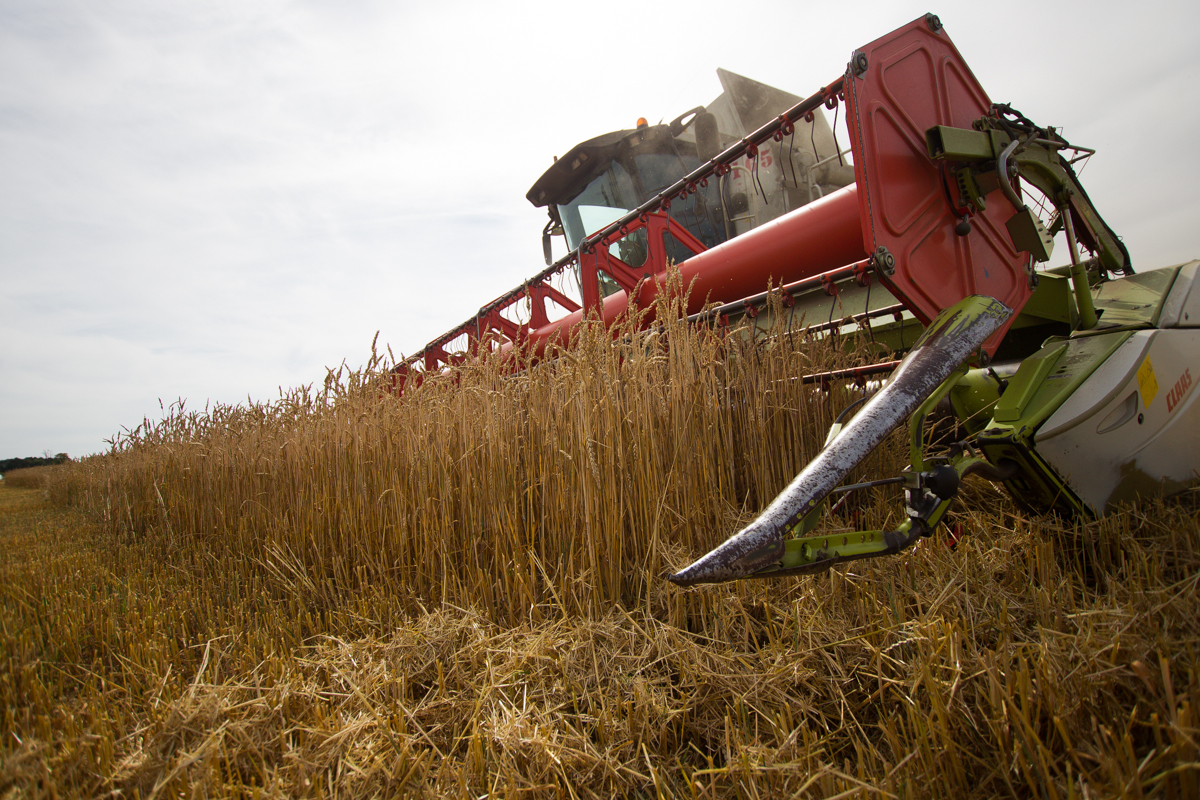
33,461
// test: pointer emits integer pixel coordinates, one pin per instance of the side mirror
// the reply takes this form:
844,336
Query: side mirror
552,228
708,139
681,123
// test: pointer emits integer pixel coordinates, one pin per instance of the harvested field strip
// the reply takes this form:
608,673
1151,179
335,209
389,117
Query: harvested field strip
458,593
1003,668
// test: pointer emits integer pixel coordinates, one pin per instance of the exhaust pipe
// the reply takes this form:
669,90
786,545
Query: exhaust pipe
950,340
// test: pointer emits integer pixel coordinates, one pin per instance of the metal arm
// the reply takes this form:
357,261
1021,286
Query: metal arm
763,546
1004,146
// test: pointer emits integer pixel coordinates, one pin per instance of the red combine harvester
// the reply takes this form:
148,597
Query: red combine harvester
1053,373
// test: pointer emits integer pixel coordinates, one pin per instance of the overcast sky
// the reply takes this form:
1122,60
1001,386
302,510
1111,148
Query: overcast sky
213,200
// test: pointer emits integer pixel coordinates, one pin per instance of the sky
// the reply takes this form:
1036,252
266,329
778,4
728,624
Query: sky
213,200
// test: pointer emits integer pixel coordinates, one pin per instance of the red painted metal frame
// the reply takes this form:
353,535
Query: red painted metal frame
598,258
914,79
819,237
491,330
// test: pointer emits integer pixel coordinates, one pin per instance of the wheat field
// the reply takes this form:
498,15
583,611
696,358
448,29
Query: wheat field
458,592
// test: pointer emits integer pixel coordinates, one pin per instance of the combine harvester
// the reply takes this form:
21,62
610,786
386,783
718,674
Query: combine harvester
1073,385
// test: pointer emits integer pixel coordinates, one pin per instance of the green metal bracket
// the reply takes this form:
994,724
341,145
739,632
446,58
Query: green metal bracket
1026,382
916,425
821,552
945,143
977,157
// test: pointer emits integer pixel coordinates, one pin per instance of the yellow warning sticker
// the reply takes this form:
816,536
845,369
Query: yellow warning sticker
1147,382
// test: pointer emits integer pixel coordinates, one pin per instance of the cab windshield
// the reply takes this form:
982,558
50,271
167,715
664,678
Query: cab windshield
607,198
615,192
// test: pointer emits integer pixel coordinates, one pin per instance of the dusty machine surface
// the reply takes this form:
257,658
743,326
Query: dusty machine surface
1073,385
603,179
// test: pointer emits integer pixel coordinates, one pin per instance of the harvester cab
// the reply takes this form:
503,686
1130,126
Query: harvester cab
604,178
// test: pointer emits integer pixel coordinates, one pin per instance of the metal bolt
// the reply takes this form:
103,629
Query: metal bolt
933,22
884,260
858,63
